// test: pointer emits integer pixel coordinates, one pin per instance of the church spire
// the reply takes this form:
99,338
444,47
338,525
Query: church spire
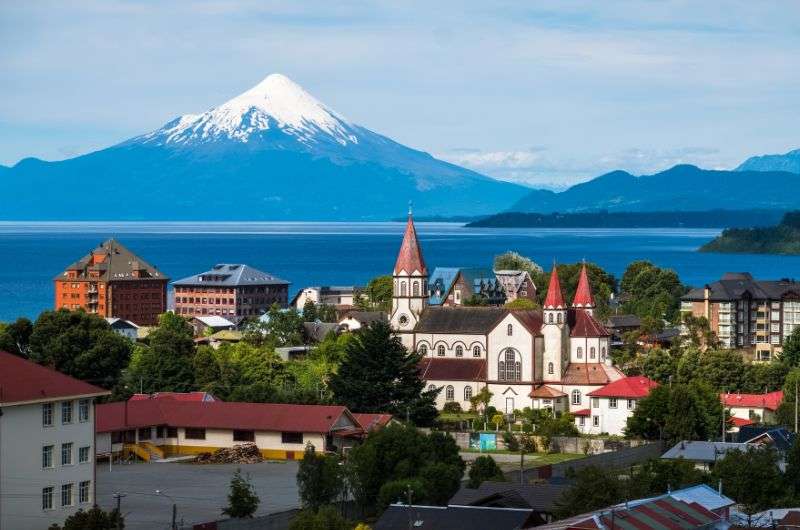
554,298
410,257
583,294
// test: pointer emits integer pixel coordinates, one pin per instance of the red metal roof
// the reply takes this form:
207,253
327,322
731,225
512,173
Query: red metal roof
583,294
582,324
444,369
582,412
769,401
665,513
123,415
409,259
637,386
24,381
740,422
589,374
544,391
372,421
554,299
176,396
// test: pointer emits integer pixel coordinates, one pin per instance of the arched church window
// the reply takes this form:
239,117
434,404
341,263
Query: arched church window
549,368
431,387
576,397
459,351
476,351
415,289
603,353
518,371
510,330
402,288
501,371
559,318
449,393
423,349
467,393
440,351
592,352
580,352
550,318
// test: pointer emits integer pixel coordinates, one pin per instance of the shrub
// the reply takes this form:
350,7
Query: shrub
398,491
512,444
484,468
452,407
527,443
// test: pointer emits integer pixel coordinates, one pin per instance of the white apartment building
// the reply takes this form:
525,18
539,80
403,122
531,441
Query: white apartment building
46,444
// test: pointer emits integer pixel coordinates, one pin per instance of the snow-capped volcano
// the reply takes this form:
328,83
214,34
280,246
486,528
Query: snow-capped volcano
275,104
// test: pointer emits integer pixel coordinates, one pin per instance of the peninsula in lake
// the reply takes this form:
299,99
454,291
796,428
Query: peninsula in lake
783,238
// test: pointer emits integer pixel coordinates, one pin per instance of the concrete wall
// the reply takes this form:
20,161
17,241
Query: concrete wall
22,477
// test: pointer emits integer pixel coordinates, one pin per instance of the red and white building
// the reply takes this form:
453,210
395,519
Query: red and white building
47,445
612,405
541,359
746,409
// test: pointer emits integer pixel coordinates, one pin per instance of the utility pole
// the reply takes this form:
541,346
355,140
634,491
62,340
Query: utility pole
119,496
723,418
795,405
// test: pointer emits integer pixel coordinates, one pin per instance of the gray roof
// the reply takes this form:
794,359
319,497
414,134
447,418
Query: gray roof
623,321
317,331
119,264
702,451
734,285
231,275
474,320
367,317
453,518
540,497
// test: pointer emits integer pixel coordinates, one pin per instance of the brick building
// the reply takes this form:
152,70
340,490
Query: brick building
111,281
231,291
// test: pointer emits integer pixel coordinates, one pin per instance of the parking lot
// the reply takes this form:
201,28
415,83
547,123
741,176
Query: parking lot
199,491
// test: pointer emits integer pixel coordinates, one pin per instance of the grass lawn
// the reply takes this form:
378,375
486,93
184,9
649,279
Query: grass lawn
457,416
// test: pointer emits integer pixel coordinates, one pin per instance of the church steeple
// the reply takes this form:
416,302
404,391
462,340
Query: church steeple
583,294
554,299
409,259
555,331
410,287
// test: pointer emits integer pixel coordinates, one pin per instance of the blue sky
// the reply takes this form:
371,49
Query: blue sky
545,93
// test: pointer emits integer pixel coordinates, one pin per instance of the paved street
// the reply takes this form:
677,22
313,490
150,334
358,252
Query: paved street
200,491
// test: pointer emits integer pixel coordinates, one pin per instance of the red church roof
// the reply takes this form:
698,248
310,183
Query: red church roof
23,381
554,298
582,324
769,401
636,386
410,257
583,294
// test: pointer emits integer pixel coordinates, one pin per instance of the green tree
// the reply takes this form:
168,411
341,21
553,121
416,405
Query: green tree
15,337
603,284
440,480
678,412
652,292
522,304
482,469
752,478
81,345
327,518
659,365
309,311
516,262
792,474
326,313
377,295
94,518
689,365
405,491
319,479
379,375
723,369
284,327
650,416
242,499
791,349
594,488
786,413
699,333
658,476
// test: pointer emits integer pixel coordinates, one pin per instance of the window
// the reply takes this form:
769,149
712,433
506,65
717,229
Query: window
431,387
172,432
449,393
292,437
47,414
66,412
459,351
423,349
416,289
596,421
83,491
476,351
612,403
145,433
83,454
244,436
440,351
47,498
508,368
592,352
580,352
582,421
510,330
631,404
467,393
194,434
83,410
550,318
47,456
576,397
402,288
549,368
66,495
66,454
558,319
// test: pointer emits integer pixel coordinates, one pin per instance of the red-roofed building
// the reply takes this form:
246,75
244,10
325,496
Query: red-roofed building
166,427
176,396
583,294
613,404
46,444
755,408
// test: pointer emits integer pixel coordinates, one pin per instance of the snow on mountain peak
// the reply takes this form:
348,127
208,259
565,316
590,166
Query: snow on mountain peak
276,102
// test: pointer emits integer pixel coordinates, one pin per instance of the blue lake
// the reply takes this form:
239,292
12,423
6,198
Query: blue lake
31,254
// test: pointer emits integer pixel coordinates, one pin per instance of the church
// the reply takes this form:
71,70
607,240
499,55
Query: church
550,358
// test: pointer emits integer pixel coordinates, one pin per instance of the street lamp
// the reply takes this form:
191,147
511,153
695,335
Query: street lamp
174,509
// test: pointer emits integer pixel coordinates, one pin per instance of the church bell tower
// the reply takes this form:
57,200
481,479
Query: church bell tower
410,287
555,331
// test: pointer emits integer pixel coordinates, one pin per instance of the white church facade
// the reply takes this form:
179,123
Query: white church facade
550,358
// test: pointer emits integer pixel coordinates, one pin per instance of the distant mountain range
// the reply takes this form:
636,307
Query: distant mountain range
271,153
786,162
682,187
